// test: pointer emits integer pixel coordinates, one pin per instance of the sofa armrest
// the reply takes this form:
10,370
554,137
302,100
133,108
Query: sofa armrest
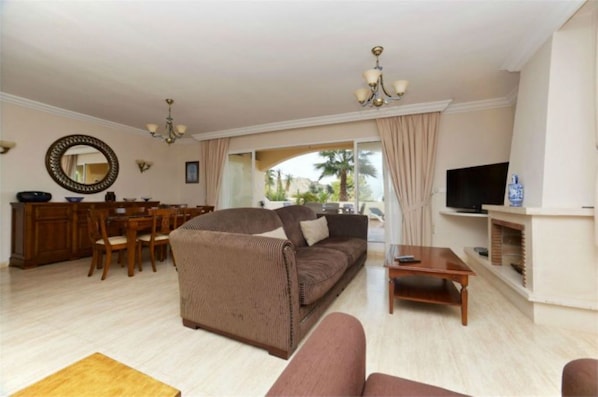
580,378
330,363
353,225
239,285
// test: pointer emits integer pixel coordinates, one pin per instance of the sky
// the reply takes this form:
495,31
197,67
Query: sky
302,166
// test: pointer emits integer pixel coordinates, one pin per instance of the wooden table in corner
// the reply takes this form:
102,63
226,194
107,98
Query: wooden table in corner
430,280
98,375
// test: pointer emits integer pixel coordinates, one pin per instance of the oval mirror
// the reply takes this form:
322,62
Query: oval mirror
82,164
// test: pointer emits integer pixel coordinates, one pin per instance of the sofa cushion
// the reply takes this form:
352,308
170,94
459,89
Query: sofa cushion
290,217
352,247
379,384
236,220
276,233
314,231
318,269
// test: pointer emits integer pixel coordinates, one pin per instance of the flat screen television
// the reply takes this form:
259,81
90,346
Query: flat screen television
468,188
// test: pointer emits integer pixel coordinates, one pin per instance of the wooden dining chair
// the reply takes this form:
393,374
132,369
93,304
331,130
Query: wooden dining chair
101,243
164,220
204,209
192,212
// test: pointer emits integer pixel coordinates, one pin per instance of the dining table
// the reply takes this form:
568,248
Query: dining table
131,225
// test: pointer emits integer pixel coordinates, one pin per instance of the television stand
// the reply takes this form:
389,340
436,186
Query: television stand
472,212
464,214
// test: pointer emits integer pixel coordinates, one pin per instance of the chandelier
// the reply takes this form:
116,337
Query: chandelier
172,133
376,94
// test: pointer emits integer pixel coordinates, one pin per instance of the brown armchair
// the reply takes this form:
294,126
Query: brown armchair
580,378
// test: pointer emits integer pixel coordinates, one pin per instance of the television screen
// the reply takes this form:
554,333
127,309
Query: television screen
468,188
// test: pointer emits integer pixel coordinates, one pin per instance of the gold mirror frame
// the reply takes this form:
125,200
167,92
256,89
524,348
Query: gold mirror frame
54,166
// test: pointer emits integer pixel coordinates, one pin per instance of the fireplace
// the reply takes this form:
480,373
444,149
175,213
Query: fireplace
507,246
555,251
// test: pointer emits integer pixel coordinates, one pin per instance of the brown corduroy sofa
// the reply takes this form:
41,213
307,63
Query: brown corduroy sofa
264,291
332,362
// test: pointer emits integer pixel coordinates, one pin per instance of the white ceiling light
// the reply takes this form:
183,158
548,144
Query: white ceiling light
376,94
172,133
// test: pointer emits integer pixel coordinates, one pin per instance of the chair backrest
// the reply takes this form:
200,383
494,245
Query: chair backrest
192,212
204,209
96,225
135,211
317,207
331,207
164,220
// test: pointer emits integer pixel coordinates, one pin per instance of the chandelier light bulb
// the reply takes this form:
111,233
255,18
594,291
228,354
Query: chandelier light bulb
377,95
400,86
171,132
362,94
152,128
371,76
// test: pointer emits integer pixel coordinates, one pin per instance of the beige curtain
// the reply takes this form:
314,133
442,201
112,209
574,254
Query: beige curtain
409,145
214,154
68,163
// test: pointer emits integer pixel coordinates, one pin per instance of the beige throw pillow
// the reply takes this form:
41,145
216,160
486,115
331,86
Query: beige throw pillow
314,231
276,233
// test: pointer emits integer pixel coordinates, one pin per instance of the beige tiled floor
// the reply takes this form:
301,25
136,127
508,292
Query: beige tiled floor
55,315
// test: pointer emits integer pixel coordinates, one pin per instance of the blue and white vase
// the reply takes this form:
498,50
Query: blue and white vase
515,192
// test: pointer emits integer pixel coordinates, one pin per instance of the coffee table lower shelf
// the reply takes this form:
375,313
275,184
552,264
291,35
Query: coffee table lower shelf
427,289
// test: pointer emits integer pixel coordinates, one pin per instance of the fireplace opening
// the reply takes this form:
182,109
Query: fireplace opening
508,246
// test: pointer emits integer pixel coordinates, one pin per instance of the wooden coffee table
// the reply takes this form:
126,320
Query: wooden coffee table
430,280
98,375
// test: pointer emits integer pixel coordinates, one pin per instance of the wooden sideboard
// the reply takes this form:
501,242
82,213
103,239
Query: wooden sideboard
43,233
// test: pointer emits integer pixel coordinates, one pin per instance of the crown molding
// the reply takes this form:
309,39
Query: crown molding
548,24
370,114
486,104
445,106
28,103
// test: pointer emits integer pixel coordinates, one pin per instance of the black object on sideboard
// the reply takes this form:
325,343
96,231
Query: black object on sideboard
34,197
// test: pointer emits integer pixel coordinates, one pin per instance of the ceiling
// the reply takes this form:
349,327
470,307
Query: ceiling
230,65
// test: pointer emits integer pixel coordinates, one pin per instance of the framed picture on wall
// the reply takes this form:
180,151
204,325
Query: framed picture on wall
192,172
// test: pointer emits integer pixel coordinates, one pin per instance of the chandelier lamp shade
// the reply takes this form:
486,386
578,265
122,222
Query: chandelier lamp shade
172,133
376,94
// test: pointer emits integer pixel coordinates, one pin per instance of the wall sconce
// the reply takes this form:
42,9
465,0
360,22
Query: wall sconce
5,146
144,165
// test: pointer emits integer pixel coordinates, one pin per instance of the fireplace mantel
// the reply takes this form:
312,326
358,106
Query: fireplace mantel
540,211
559,285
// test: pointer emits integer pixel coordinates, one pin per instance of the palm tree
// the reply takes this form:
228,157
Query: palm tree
341,163
278,181
269,179
287,182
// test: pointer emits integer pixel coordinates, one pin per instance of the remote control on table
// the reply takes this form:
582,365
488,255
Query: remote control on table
409,260
398,258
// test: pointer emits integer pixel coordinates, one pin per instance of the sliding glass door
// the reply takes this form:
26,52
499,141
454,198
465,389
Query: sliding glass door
237,183
369,183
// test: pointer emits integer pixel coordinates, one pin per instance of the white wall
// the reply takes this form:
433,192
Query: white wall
467,139
553,136
570,162
529,130
23,168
